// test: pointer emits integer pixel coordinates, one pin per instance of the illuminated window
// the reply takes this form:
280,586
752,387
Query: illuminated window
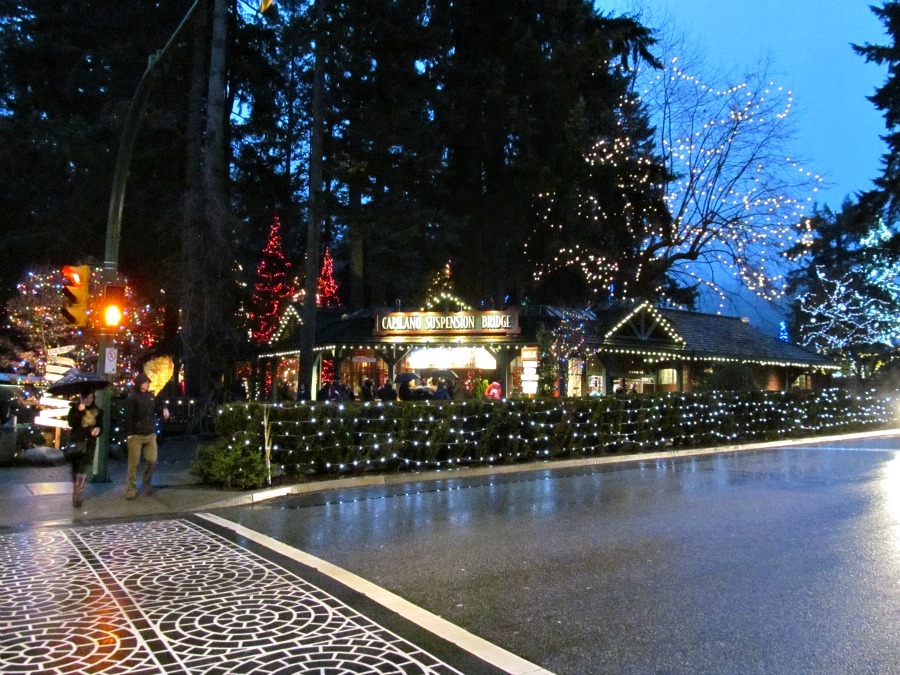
667,376
453,357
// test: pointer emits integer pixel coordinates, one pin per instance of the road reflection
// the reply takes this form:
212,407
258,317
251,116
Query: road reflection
780,561
891,491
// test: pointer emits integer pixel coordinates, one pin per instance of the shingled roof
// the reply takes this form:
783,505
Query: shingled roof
697,335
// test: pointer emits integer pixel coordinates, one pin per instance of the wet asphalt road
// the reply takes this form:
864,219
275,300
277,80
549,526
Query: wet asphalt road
775,561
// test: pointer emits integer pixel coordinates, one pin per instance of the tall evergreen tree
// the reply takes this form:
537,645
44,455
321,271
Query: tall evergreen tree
66,79
206,285
886,195
273,286
525,89
383,147
846,290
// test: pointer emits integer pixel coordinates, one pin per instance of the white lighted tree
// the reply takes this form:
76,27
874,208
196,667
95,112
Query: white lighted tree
839,314
734,197
737,197
853,314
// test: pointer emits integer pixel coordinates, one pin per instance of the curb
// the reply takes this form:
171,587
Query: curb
267,494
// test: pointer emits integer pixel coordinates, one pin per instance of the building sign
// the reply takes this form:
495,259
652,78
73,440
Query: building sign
442,323
529,370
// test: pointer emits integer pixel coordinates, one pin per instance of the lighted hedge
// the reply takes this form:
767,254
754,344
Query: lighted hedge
330,438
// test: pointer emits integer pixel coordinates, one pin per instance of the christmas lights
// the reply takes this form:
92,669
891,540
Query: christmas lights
729,196
35,312
851,314
272,288
440,294
309,438
327,288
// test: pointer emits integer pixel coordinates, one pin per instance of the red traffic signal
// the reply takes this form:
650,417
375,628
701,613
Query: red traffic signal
76,291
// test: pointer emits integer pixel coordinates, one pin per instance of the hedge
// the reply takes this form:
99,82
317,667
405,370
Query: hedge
325,439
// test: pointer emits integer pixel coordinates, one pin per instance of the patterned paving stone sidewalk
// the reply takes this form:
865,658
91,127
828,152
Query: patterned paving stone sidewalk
172,597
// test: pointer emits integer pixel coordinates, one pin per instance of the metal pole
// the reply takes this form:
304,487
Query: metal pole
110,270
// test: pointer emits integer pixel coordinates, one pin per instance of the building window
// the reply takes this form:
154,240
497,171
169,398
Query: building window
668,376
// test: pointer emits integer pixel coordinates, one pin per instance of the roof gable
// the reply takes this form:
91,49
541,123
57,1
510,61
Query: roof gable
645,324
289,321
723,337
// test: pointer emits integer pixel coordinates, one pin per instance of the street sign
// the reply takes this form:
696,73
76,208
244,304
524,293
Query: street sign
55,408
55,351
57,366
109,362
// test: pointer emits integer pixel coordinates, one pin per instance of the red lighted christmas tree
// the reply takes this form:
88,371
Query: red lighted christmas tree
273,287
327,288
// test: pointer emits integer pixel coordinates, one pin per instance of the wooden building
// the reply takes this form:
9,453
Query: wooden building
637,347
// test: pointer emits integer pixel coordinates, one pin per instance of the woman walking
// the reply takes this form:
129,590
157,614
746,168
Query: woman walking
85,418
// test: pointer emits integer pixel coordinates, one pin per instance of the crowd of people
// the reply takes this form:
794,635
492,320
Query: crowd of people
407,386
415,389
408,390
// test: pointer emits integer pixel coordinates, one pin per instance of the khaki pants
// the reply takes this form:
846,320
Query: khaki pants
139,445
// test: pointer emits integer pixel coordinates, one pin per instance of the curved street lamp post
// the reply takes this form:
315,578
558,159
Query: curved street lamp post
107,353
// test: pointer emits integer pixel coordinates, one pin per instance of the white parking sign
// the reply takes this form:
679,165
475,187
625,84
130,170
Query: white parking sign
109,364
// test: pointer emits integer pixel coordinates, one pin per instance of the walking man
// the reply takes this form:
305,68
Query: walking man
140,430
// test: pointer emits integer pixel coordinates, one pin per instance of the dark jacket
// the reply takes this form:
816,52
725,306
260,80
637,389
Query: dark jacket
367,393
387,393
442,394
140,413
82,421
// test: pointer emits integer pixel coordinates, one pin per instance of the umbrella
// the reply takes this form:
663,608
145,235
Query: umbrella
406,377
77,382
443,374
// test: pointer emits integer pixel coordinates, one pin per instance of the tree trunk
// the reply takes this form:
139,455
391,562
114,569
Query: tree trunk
357,298
316,145
207,288
193,176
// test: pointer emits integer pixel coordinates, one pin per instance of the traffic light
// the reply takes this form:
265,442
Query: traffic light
77,291
113,305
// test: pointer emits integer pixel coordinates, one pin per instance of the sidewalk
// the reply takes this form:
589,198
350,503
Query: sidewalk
42,495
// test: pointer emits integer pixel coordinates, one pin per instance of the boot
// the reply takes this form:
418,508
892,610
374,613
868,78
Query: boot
78,490
148,477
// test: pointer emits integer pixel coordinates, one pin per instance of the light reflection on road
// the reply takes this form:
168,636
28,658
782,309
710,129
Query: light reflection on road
778,561
891,489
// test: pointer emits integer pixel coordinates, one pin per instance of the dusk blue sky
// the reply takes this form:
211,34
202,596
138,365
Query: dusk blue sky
807,42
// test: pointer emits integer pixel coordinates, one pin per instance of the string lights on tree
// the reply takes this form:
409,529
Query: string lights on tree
569,335
733,199
327,287
35,314
273,287
440,294
850,310
738,198
845,323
